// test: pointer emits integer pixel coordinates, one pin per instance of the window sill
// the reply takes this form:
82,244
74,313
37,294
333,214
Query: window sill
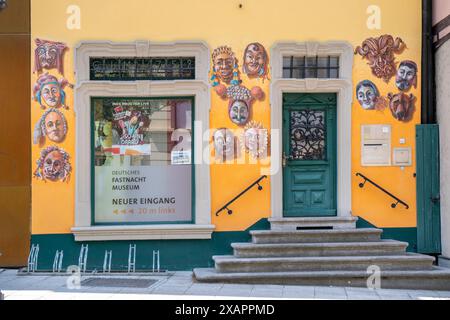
146,232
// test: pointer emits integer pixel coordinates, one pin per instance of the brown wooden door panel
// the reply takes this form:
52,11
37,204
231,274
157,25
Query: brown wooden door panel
15,18
15,149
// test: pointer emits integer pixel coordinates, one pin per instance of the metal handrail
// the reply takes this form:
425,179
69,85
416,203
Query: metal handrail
225,207
394,205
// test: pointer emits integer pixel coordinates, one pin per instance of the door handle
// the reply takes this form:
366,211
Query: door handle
286,158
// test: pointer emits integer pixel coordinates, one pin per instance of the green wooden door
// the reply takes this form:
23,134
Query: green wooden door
428,189
309,155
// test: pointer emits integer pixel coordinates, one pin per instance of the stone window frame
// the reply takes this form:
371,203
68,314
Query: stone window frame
85,89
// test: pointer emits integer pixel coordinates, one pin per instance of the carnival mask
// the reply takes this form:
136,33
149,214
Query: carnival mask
255,60
380,54
406,75
49,55
49,90
53,165
224,62
255,140
402,106
51,93
224,143
367,94
239,112
53,125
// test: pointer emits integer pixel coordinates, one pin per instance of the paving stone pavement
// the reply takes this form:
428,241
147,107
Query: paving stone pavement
181,285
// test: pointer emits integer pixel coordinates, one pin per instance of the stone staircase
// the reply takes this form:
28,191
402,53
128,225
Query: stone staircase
324,252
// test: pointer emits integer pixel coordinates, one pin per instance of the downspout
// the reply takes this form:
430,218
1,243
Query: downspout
428,110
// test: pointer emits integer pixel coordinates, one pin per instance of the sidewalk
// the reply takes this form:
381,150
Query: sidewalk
180,285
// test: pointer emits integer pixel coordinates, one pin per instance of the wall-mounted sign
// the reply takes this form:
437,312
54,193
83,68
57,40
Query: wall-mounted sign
402,157
375,145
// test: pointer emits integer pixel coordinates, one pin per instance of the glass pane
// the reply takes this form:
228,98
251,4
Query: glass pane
286,62
334,73
322,73
307,135
298,74
322,62
142,146
311,62
286,73
310,73
299,61
334,62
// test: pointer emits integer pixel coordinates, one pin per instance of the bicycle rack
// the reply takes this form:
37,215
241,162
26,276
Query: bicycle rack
33,258
132,258
57,262
107,261
82,260
156,261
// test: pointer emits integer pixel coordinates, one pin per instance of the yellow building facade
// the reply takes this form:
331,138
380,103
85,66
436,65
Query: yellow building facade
340,60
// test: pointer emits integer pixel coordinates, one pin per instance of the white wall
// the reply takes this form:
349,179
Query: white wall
443,114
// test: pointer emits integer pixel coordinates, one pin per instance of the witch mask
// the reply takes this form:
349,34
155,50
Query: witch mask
380,52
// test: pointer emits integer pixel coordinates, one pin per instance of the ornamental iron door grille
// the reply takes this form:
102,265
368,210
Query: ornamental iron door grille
308,134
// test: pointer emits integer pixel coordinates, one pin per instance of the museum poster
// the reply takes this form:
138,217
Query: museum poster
140,174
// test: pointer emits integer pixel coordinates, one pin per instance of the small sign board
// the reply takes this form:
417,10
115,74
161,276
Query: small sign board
402,157
376,145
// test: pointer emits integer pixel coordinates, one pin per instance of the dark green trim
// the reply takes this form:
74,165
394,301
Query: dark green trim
92,129
401,234
176,255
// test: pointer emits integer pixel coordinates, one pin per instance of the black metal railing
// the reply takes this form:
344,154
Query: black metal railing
226,207
393,205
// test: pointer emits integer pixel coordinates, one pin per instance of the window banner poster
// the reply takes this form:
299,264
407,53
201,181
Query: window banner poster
143,160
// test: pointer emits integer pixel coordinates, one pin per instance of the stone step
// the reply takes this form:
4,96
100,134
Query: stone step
316,236
383,248
434,279
313,223
409,261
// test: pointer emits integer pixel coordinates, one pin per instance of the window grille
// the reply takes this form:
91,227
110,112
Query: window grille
311,67
132,69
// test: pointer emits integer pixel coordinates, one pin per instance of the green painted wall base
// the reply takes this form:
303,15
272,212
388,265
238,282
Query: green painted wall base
175,255
401,234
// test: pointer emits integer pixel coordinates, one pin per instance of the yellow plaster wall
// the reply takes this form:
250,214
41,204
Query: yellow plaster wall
222,22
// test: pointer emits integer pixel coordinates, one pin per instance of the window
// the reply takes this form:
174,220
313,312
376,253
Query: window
142,160
311,67
150,68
